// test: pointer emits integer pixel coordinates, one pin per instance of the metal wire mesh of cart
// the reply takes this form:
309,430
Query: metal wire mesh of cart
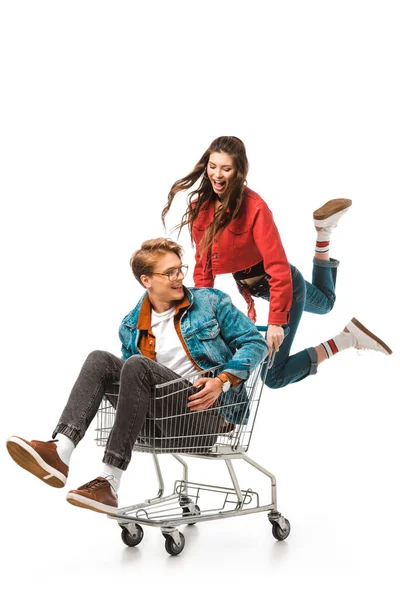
171,427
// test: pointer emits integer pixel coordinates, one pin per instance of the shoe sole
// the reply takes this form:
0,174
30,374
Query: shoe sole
371,335
27,458
82,502
331,208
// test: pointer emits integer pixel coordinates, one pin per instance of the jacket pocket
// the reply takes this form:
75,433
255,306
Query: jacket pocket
239,235
207,346
198,234
209,331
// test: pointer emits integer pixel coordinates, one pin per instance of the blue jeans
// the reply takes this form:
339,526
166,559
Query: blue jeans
317,297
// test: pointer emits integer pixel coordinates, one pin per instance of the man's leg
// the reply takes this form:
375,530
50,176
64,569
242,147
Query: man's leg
167,409
172,427
45,459
99,371
139,414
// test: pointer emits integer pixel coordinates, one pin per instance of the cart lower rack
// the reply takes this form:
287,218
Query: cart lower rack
222,432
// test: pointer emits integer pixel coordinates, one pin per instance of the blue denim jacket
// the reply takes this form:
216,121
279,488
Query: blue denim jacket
216,334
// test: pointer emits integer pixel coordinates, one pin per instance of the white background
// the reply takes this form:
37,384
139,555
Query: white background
103,106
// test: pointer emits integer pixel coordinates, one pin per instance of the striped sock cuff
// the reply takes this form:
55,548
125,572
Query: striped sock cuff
322,247
330,348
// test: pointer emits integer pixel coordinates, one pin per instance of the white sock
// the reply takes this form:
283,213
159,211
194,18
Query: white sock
324,230
113,475
323,239
65,447
342,341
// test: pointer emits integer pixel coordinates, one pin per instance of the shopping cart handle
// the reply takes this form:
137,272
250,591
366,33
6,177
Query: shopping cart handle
271,359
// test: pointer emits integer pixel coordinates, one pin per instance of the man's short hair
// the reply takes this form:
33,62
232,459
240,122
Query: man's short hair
143,260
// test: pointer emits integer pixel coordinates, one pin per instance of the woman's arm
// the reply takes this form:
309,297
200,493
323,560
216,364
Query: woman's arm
202,274
241,335
268,241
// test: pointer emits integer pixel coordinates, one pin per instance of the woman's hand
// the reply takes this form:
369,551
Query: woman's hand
212,388
275,337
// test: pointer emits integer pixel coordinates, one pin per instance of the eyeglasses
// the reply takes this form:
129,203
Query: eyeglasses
173,274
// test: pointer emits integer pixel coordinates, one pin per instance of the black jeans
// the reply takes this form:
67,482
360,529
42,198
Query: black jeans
165,418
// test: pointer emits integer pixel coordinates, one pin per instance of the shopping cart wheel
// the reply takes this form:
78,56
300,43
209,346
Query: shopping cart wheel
280,533
132,539
171,547
186,512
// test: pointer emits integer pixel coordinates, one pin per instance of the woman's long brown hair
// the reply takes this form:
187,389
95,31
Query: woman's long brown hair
197,199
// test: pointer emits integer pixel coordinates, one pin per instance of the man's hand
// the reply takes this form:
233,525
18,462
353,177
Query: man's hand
212,388
275,337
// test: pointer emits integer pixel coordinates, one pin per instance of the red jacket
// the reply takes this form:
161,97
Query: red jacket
250,238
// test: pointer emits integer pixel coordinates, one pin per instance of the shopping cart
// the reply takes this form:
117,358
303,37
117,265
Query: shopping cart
170,428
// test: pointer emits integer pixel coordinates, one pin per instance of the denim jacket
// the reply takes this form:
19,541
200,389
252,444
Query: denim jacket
216,333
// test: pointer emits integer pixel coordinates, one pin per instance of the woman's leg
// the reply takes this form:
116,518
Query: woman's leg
326,219
354,335
319,299
289,369
320,294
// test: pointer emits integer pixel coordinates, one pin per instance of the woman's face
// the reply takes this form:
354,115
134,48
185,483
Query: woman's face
221,171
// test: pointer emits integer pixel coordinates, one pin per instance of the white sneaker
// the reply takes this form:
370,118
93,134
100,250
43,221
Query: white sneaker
331,212
364,339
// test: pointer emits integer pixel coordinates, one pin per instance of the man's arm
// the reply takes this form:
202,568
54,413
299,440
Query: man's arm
124,337
245,342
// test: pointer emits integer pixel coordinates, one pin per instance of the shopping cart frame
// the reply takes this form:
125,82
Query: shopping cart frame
168,512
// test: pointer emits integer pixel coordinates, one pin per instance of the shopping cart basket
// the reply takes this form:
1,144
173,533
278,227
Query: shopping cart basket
170,428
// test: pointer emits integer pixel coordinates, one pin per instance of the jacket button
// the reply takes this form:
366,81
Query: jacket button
150,343
215,255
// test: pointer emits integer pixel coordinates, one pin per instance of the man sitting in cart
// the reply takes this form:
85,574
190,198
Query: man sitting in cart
173,332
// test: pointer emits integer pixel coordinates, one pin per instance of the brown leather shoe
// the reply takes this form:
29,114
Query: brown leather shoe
96,495
331,208
40,459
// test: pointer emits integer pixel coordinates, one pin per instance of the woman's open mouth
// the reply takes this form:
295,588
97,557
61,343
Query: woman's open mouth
218,185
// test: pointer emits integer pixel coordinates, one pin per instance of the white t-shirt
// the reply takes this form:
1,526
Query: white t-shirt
169,349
